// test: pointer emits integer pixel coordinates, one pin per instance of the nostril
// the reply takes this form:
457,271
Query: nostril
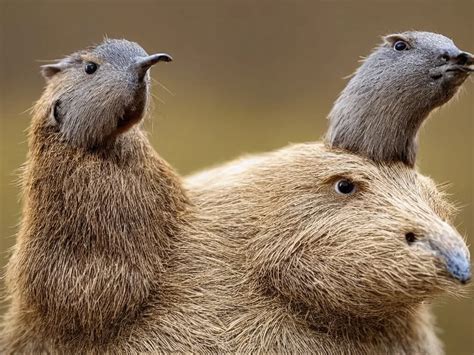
410,237
462,58
445,57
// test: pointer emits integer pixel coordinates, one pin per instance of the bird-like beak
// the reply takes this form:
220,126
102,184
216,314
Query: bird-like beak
448,245
469,59
142,64
133,113
458,67
461,63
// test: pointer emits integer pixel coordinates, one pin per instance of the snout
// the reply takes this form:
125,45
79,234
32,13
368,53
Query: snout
142,64
457,264
459,58
449,247
137,95
454,66
465,58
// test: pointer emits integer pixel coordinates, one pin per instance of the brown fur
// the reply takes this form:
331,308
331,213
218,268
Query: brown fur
100,262
115,255
311,271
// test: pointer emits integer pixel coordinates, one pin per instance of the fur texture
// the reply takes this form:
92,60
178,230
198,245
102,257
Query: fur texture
102,261
383,106
314,271
116,255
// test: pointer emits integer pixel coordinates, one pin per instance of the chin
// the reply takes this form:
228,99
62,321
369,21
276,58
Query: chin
454,79
447,90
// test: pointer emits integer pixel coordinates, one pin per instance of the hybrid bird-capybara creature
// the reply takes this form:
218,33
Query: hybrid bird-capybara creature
330,253
391,94
307,249
98,266
337,253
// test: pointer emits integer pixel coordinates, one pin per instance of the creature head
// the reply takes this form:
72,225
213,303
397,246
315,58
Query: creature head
340,234
95,94
427,66
380,111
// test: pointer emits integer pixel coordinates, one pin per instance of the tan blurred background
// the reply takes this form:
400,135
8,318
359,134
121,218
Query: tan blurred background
248,76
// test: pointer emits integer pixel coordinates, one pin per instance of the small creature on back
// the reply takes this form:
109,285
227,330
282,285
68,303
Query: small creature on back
379,113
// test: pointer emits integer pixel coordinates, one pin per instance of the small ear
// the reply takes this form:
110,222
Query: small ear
49,70
391,39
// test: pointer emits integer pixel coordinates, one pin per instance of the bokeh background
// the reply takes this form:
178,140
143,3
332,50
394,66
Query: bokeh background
248,76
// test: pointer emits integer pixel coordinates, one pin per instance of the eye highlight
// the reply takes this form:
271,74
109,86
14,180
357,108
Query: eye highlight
90,67
401,46
345,187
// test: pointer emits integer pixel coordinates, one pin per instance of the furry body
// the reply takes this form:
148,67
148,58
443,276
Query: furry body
95,268
306,274
117,254
248,266
100,264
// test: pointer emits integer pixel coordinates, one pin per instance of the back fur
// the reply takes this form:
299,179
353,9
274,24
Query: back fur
97,269
111,255
311,271
115,255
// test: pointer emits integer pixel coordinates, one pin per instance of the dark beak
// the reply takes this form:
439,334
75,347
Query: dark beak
466,58
462,62
142,64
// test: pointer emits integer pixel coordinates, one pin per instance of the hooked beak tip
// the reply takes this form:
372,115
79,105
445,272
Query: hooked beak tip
142,64
470,59
462,274
165,58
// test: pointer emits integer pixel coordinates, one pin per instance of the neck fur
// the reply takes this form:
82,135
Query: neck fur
377,120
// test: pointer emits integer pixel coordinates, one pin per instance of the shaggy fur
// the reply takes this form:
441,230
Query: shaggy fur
103,258
380,111
314,271
115,255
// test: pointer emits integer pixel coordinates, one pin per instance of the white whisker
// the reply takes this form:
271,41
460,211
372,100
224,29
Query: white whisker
164,87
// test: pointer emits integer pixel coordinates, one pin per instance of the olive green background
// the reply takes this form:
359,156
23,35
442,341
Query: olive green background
248,76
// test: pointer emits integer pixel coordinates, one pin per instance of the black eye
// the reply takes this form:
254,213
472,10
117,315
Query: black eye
345,187
56,113
90,67
410,237
400,46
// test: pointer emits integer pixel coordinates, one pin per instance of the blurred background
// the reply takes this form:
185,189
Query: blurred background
248,76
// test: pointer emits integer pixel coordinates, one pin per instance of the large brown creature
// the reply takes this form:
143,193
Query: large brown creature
330,253
308,249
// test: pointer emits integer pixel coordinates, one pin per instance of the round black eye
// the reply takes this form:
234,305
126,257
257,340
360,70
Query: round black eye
400,46
345,187
90,67
410,237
